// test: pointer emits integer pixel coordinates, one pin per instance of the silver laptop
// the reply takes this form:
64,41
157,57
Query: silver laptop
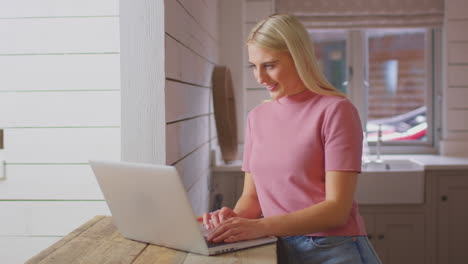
149,204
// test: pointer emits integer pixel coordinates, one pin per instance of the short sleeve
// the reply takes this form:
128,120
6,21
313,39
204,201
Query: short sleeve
342,138
247,147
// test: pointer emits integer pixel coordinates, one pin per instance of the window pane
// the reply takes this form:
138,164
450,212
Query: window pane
397,84
330,50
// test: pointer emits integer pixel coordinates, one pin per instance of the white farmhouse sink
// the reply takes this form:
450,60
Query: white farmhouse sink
391,182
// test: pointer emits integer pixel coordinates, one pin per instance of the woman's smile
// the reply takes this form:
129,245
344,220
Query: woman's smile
271,87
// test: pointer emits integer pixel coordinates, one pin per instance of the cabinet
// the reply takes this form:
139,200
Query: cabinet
435,232
452,217
397,237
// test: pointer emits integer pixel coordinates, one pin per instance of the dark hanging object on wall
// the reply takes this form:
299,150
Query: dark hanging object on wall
1,138
225,112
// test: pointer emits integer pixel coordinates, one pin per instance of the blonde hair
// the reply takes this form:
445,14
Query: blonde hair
284,33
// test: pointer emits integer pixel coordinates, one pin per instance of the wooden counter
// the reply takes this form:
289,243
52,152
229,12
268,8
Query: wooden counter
98,241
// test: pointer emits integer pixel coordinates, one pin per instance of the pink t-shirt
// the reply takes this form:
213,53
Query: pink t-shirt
289,145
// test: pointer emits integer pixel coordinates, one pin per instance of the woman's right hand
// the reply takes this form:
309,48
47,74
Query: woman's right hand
214,219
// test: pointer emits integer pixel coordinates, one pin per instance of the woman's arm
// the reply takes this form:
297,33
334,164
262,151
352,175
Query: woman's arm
248,206
333,212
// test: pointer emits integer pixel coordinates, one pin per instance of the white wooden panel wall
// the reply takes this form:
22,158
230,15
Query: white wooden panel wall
205,12
455,139
48,109
60,105
44,182
188,30
457,98
184,65
54,8
456,30
60,72
456,9
457,52
457,75
143,80
185,136
195,162
18,249
458,120
60,145
188,100
191,54
193,171
59,35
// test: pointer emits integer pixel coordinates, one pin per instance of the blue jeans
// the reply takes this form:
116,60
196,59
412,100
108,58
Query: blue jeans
326,250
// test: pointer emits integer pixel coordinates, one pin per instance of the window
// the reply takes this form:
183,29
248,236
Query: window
330,49
389,75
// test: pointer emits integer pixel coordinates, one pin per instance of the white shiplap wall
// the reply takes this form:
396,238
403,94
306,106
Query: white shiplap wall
59,107
191,54
455,114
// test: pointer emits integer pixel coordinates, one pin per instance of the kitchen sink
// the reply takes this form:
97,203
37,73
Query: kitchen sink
392,165
391,182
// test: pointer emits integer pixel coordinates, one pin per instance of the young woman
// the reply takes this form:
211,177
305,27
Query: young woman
302,155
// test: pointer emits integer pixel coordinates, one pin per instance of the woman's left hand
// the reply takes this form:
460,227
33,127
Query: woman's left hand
237,229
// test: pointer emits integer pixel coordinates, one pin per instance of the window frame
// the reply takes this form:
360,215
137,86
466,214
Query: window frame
357,89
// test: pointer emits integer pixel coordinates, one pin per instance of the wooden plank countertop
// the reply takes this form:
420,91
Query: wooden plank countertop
98,241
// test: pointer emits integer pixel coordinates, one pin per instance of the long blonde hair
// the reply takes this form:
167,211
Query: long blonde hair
284,33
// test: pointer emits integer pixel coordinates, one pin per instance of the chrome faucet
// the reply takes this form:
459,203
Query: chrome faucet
366,158
379,142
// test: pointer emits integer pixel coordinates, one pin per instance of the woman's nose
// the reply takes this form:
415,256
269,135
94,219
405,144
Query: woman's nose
261,77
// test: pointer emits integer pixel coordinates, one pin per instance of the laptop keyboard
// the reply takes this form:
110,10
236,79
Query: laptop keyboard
209,243
214,244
